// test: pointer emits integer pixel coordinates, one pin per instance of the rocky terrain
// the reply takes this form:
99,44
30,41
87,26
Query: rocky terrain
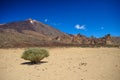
29,33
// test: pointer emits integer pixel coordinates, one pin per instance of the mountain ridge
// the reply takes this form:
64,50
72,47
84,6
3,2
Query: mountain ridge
28,33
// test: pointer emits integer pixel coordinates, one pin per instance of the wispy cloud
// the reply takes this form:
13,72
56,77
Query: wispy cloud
51,22
46,20
56,24
80,27
102,28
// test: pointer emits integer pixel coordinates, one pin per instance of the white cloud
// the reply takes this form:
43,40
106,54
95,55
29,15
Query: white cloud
102,28
56,24
46,20
81,27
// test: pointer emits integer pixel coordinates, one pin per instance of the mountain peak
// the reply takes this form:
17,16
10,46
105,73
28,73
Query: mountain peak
32,25
31,20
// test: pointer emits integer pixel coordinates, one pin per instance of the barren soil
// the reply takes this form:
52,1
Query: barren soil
62,64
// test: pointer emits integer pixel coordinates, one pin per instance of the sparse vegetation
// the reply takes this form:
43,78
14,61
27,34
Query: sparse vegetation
35,55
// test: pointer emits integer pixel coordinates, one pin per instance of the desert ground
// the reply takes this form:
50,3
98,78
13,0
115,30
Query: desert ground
62,64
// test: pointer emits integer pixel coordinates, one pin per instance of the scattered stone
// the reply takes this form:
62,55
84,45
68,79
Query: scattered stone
43,70
84,64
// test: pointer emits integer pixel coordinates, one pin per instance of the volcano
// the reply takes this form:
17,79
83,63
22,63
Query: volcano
29,33
33,33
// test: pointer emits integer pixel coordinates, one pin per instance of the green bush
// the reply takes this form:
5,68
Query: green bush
35,55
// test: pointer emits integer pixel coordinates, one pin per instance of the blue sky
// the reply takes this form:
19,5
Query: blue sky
88,17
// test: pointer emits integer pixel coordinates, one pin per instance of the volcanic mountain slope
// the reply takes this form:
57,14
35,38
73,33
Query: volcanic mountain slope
32,25
28,33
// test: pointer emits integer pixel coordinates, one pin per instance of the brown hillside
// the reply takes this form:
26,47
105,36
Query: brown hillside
34,33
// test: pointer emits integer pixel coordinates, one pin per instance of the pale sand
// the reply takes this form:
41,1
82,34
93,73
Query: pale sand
63,64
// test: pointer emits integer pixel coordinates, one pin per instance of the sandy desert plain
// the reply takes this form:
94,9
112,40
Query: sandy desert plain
63,64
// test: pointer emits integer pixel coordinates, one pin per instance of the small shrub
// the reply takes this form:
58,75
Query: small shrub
35,55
